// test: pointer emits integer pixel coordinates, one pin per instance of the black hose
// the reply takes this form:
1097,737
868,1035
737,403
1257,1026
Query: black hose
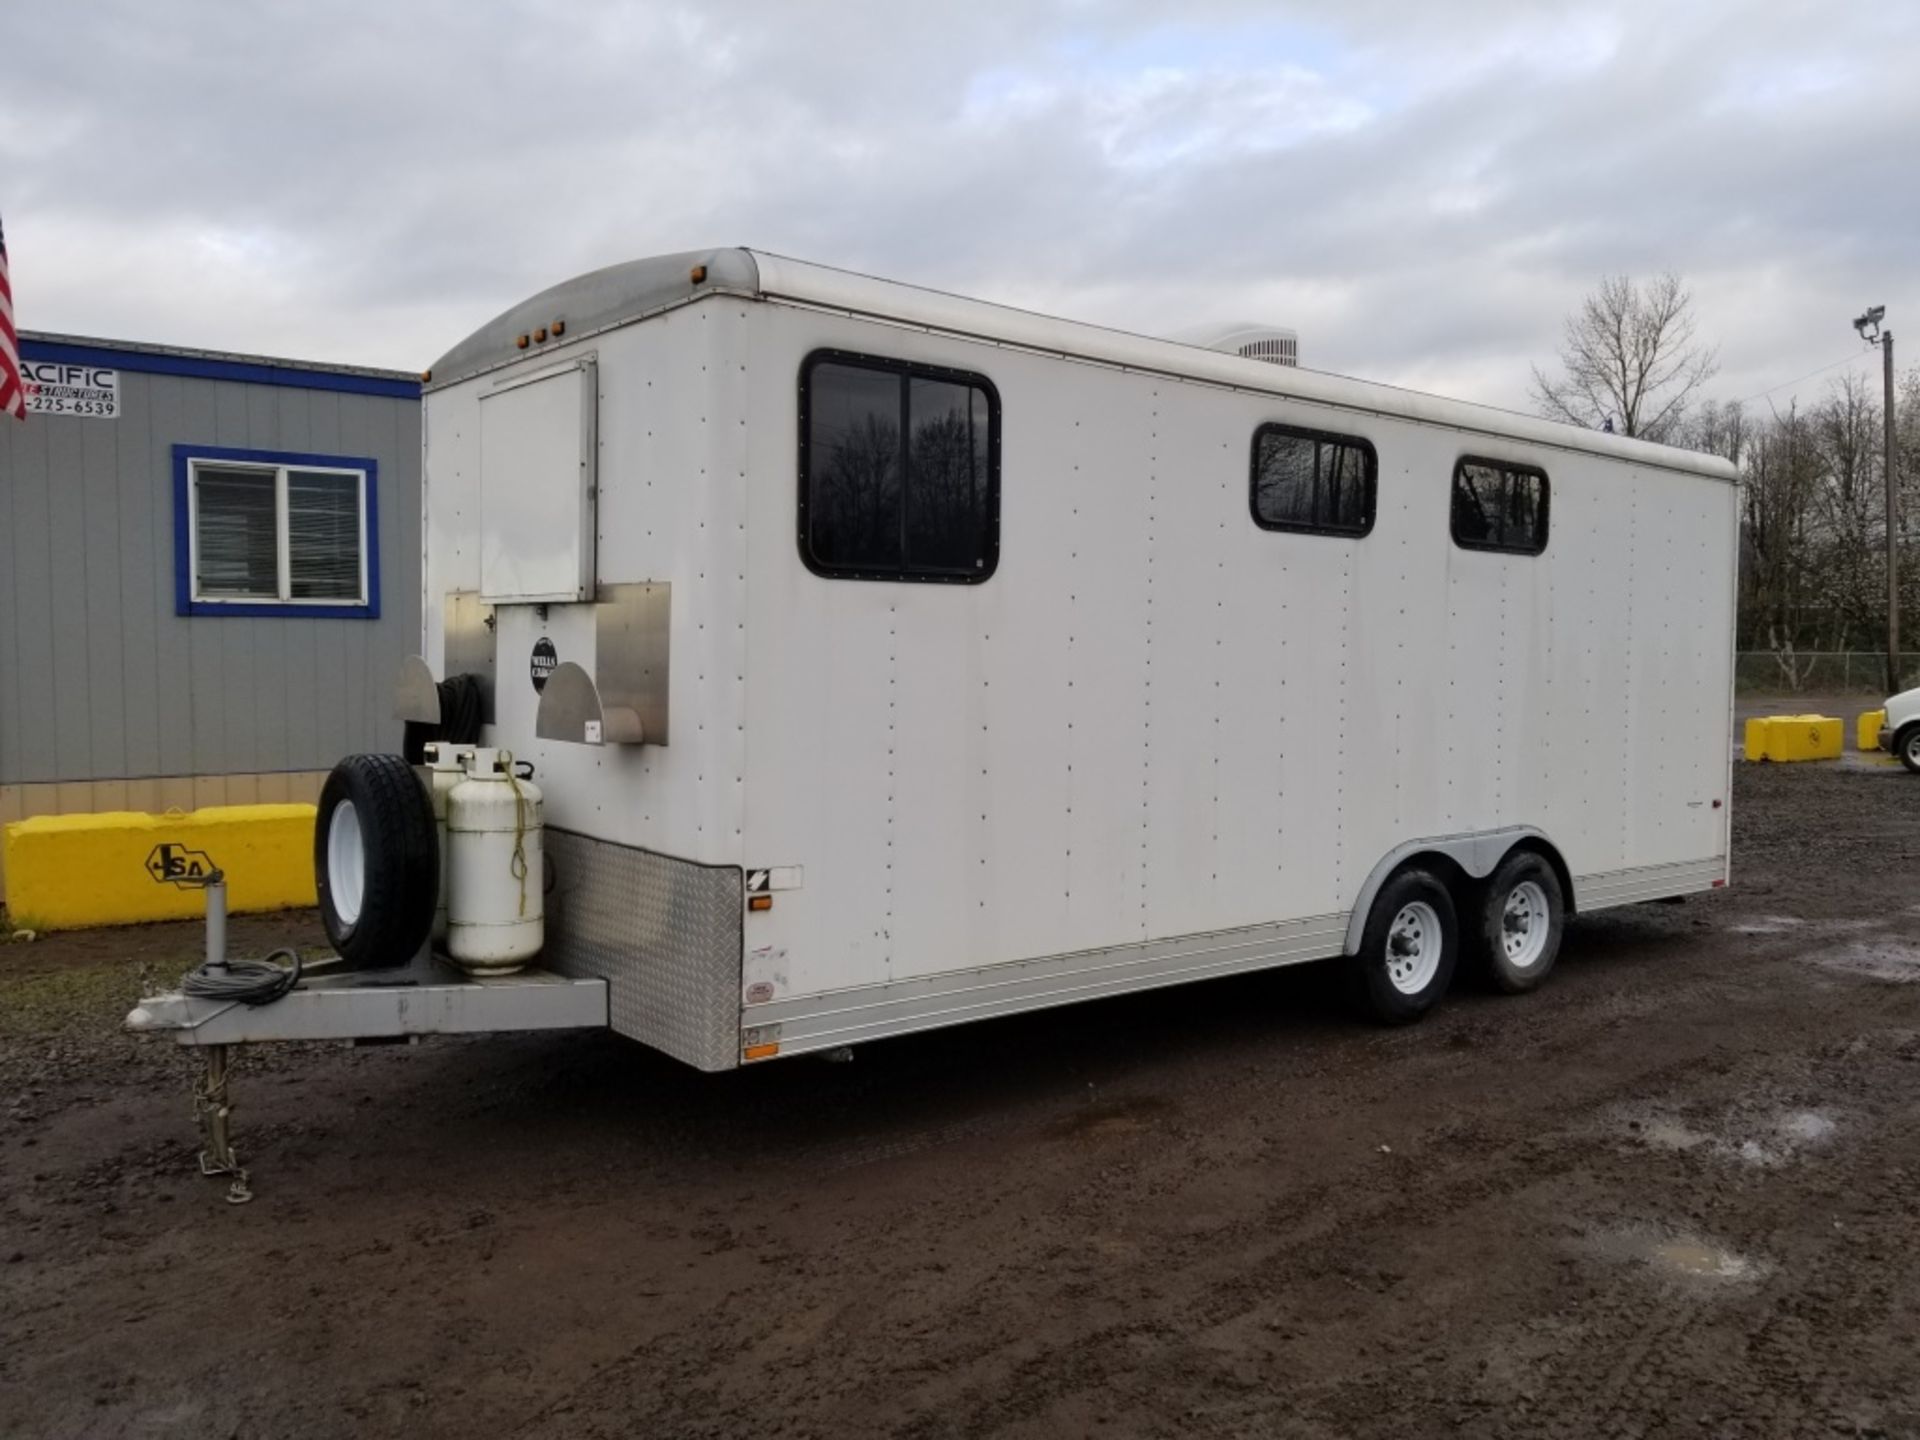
251,982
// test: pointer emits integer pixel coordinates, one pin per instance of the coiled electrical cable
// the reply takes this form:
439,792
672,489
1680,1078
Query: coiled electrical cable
460,699
250,982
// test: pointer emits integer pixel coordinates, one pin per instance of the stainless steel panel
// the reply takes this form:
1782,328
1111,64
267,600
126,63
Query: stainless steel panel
664,934
1650,882
469,644
631,626
868,1012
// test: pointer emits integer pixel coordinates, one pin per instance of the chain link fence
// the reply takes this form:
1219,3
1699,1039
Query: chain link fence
1818,672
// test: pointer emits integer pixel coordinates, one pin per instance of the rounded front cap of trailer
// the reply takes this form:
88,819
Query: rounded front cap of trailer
596,301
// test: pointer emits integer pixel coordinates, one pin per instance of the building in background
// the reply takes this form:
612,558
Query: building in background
209,572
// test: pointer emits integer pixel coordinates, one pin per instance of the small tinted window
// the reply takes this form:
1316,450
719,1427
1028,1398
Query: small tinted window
899,470
1499,506
1309,480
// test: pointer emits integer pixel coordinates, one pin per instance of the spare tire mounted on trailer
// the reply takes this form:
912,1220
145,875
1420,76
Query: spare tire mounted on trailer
376,861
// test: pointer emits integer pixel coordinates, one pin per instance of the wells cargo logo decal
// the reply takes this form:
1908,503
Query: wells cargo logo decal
171,864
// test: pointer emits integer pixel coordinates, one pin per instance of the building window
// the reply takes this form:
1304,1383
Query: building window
260,532
899,470
1499,506
1313,481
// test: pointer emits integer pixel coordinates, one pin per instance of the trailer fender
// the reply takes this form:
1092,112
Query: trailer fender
1476,854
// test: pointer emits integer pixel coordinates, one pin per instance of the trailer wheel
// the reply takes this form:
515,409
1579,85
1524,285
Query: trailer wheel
1409,948
376,861
1521,915
1907,746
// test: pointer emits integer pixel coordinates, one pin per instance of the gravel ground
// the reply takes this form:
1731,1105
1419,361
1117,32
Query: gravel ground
1671,1194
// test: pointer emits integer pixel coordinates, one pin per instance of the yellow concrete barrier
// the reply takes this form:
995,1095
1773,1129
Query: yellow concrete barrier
67,872
1794,737
1866,729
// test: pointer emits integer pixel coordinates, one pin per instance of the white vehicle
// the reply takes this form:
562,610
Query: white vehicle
890,660
1900,734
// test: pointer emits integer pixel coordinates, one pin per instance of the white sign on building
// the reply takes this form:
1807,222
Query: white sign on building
55,387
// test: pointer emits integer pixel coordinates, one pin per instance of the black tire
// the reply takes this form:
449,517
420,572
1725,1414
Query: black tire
1394,985
1513,953
379,909
1906,745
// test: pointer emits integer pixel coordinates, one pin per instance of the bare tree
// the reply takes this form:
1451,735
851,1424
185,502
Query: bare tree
1719,428
1631,358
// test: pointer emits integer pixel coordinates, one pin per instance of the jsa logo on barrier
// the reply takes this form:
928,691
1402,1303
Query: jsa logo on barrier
171,864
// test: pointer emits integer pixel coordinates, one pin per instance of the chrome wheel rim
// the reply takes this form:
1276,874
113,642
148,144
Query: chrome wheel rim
1525,923
1414,943
346,863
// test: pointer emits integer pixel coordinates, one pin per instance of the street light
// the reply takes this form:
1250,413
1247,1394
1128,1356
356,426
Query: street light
1870,322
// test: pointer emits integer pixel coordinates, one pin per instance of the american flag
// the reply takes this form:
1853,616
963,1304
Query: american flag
13,390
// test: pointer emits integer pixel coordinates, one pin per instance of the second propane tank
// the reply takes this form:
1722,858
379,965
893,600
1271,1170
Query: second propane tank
444,768
494,869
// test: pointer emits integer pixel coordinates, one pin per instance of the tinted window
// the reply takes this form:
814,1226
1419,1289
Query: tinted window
1499,506
1308,480
899,470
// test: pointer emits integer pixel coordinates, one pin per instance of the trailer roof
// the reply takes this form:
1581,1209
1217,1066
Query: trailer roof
622,294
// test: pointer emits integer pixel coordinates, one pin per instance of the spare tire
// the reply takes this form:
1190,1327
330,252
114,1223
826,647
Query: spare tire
376,861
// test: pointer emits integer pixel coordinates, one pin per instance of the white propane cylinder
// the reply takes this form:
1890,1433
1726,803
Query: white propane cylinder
445,768
494,871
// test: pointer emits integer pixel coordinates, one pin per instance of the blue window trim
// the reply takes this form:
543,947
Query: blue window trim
195,367
183,601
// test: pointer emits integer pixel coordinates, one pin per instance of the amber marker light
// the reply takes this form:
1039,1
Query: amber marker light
559,328
759,902
761,1052
698,274
521,343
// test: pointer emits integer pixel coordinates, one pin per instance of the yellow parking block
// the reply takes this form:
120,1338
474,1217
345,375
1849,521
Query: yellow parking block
1866,729
1794,737
71,871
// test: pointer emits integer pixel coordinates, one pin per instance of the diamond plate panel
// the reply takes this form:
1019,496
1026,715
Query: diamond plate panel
664,934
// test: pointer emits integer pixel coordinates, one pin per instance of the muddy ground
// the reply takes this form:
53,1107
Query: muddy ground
1675,1193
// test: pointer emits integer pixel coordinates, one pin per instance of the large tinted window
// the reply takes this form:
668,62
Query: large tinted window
899,470
1499,506
1311,480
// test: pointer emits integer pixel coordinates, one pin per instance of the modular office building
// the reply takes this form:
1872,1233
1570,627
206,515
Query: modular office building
209,573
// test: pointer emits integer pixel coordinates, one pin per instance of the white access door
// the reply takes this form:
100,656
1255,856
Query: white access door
537,485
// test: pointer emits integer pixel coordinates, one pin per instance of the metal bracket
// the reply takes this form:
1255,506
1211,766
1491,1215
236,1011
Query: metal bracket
416,695
623,701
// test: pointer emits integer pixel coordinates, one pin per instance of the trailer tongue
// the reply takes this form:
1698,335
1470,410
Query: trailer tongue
424,996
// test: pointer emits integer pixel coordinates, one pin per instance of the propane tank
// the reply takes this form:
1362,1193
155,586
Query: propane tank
445,768
494,871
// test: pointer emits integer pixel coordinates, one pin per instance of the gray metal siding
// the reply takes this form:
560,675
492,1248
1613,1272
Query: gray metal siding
101,680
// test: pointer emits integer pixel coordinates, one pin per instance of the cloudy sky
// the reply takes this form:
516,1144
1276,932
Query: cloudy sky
1422,189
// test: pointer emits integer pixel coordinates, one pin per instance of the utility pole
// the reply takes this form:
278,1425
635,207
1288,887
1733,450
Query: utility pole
1894,685
1869,327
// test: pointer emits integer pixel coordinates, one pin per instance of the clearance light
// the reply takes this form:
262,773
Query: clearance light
521,342
761,1052
540,336
698,275
425,375
759,902
559,328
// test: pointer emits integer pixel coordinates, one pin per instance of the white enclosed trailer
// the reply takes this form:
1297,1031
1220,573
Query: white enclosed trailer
890,660
1007,661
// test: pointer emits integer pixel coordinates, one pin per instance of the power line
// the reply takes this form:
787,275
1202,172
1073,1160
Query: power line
1832,365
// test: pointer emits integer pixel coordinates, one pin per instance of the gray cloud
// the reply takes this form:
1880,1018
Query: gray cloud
1423,190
